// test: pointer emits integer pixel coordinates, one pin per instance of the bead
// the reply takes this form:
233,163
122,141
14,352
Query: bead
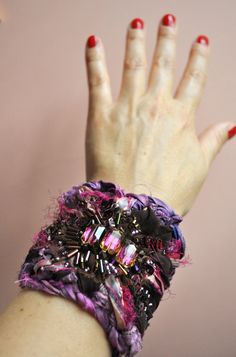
118,218
108,267
77,258
136,267
123,203
123,269
99,232
101,266
111,222
72,253
92,235
86,235
82,261
111,242
112,267
127,255
87,255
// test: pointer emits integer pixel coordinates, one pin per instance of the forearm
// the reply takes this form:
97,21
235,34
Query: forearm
37,324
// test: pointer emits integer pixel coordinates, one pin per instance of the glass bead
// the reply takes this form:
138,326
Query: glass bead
111,242
123,203
99,231
92,235
127,255
87,235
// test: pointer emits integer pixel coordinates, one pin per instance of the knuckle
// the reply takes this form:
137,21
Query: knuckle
198,50
134,63
167,33
93,56
163,61
97,79
96,75
133,34
197,74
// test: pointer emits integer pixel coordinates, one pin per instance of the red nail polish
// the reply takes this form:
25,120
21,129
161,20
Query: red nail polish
92,41
137,23
232,132
203,40
168,20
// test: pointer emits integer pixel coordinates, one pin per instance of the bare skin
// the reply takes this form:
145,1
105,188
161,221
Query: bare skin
146,142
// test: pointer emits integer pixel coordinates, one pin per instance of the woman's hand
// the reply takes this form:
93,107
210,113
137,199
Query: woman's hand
146,140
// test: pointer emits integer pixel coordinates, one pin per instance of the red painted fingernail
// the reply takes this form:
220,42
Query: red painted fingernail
203,39
137,23
232,132
168,20
92,41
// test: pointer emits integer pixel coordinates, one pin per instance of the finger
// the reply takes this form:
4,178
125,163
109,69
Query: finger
190,89
133,84
214,137
163,64
100,96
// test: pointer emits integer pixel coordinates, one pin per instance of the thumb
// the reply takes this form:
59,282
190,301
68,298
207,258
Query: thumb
214,137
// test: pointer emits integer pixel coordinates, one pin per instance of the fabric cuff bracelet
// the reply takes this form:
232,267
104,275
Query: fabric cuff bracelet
112,253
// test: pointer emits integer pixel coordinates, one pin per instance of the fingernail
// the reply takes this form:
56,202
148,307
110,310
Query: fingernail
92,41
232,132
203,40
168,20
137,23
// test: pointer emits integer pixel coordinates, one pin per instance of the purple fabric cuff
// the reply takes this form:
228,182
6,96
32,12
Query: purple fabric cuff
112,253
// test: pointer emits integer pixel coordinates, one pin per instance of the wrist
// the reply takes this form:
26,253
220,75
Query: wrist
140,188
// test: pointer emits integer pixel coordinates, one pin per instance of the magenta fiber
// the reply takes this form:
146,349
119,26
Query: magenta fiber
113,253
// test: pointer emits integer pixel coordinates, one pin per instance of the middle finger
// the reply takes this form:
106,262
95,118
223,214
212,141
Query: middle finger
163,64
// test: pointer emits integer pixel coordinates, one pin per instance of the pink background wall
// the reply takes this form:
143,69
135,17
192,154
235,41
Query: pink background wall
43,109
